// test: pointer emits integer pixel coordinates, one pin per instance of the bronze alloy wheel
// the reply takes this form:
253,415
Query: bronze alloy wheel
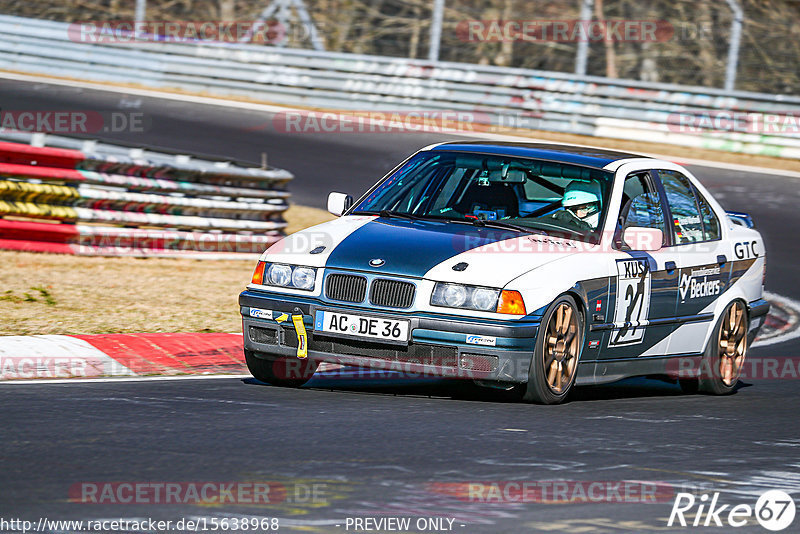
724,356
554,362
732,343
561,347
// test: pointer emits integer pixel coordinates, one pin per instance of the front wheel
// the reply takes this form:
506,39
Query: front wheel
724,358
283,372
555,359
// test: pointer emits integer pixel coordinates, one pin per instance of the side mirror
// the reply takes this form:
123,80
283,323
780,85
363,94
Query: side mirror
338,203
643,239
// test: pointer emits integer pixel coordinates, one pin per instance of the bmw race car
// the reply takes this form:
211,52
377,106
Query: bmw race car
526,267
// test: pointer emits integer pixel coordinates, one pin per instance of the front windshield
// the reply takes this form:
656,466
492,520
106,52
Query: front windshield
531,194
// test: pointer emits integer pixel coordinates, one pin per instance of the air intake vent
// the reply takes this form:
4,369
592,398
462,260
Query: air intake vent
346,287
392,293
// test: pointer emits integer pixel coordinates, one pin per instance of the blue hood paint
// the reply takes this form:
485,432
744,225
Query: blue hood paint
409,248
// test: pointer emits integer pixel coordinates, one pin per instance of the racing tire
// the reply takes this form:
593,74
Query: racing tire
281,372
554,364
726,351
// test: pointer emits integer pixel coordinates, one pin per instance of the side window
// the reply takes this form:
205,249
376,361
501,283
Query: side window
710,222
687,225
641,205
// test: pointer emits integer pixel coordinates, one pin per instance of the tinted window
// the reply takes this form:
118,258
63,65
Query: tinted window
687,225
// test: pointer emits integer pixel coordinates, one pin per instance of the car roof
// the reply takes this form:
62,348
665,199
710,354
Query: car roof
574,154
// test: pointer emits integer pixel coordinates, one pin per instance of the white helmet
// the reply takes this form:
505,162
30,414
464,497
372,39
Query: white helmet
583,197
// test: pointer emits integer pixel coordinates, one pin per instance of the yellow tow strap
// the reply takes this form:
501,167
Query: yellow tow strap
302,337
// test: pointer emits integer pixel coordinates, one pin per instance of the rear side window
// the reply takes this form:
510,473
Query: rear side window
710,222
687,225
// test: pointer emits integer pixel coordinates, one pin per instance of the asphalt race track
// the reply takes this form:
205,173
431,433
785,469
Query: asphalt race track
404,449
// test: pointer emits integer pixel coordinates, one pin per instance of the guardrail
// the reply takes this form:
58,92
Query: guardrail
497,97
116,201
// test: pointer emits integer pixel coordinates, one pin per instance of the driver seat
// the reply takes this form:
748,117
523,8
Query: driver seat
493,197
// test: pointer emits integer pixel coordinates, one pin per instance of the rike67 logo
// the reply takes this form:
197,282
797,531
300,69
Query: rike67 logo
774,510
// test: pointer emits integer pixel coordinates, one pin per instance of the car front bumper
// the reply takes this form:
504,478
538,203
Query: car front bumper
437,347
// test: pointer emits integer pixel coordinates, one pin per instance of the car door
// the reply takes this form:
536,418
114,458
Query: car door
703,269
643,287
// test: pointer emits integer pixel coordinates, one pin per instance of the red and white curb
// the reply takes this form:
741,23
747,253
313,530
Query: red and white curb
120,355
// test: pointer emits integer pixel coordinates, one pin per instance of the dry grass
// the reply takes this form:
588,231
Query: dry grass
58,294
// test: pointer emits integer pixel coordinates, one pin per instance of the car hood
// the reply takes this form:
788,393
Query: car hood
422,249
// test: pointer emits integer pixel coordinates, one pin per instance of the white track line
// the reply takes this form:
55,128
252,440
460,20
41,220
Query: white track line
271,108
780,338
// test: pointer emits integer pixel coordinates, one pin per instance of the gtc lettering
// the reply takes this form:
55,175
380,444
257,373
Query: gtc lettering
745,250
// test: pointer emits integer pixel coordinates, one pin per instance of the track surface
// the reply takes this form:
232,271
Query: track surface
377,447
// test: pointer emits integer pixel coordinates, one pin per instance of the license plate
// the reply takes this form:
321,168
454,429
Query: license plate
361,326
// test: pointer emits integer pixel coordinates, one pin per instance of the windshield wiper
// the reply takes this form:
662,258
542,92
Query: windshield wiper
388,214
499,224
398,215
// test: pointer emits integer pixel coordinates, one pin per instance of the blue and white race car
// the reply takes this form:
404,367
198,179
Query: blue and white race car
527,267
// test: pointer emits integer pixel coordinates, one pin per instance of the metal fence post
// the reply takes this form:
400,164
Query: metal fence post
141,8
436,30
583,45
733,47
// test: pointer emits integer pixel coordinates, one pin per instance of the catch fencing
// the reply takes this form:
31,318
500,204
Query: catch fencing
498,98
69,196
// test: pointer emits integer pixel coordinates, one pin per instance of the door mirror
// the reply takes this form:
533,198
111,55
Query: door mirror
643,239
338,203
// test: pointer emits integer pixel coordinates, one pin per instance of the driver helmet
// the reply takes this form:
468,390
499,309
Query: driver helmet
582,199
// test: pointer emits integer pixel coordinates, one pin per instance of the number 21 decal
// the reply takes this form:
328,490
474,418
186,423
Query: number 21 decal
633,302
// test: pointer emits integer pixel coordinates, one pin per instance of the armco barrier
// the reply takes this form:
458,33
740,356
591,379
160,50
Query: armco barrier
116,201
496,96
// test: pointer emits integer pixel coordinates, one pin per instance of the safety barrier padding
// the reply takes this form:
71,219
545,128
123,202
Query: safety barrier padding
110,200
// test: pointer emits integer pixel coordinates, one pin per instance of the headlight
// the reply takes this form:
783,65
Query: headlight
484,299
303,278
278,274
454,295
468,297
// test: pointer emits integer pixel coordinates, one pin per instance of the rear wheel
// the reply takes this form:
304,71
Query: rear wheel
555,359
283,372
726,352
